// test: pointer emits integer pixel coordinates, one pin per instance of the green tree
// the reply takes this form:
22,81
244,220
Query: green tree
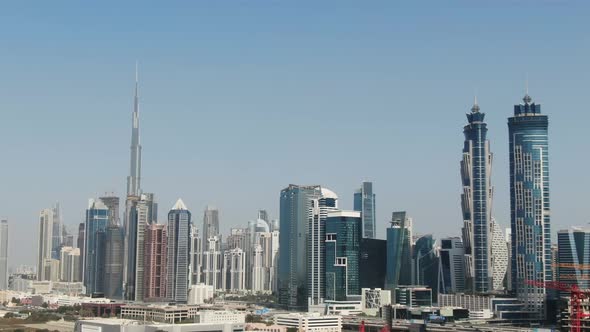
45,305
9,315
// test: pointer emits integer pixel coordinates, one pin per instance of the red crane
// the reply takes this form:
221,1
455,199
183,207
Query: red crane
576,297
385,328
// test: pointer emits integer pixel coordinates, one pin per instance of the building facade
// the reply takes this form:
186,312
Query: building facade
451,267
179,220
3,254
573,263
45,243
399,251
529,204
97,219
213,263
210,225
476,203
155,265
364,201
113,260
234,270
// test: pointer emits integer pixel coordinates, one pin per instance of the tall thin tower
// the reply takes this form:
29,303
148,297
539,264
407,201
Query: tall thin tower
134,178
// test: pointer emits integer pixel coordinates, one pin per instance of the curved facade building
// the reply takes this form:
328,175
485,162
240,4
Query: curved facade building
476,203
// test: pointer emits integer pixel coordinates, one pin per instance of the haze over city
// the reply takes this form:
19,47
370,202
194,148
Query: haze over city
237,101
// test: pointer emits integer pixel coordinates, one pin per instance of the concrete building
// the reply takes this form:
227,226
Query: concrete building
127,325
212,263
51,270
196,256
69,264
45,242
310,322
155,274
234,270
210,225
200,293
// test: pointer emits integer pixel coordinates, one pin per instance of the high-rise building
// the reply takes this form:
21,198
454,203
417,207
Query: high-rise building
499,256
425,264
295,207
476,203
69,264
97,220
451,267
234,270
56,240
212,263
112,203
210,225
259,276
67,237
316,220
155,263
399,251
342,252
81,245
3,254
45,244
196,256
51,269
529,204
264,272
134,178
373,257
364,201
573,248
263,215
113,259
179,221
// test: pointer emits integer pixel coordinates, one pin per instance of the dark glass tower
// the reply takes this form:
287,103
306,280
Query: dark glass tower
574,258
426,264
97,219
343,237
399,251
529,204
364,201
476,203
179,221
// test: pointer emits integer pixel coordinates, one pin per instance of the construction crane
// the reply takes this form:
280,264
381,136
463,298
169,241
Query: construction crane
385,327
577,295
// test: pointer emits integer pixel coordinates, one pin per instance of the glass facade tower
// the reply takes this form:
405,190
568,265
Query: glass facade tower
179,221
476,203
97,220
399,251
364,201
343,237
573,248
529,203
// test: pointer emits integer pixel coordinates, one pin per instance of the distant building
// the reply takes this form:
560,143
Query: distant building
342,253
210,225
529,204
179,221
56,234
113,261
573,258
45,243
373,257
155,274
364,201
451,269
112,204
234,270
196,256
413,296
81,246
3,254
425,262
399,251
51,269
200,293
310,322
97,220
213,263
499,257
69,264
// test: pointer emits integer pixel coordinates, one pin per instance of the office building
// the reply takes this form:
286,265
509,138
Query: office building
425,264
3,254
364,201
476,203
373,257
295,204
399,251
318,213
112,203
413,296
80,242
45,244
67,238
574,258
310,322
196,256
529,204
212,263
69,264
97,220
234,270
56,234
451,266
200,293
113,261
155,274
210,225
51,269
342,250
179,221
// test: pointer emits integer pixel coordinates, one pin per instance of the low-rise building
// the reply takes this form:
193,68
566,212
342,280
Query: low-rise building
261,327
199,293
131,325
310,322
221,316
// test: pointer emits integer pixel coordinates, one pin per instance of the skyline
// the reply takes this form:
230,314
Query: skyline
240,166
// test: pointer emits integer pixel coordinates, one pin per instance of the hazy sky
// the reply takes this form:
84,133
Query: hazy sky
241,98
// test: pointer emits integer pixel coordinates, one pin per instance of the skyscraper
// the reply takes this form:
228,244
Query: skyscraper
155,263
45,244
499,256
399,251
97,219
56,233
234,270
112,203
343,239
179,220
573,250
134,178
113,260
452,267
69,264
316,220
364,201
3,254
212,263
295,205
425,262
210,225
529,203
196,256
476,202
81,246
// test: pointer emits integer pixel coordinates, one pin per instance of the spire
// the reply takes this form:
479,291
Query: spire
134,178
179,205
475,108
527,99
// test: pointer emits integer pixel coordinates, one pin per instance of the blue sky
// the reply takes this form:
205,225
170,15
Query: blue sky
241,98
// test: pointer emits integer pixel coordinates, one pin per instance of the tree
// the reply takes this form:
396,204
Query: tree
292,329
86,313
9,315
45,305
15,301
